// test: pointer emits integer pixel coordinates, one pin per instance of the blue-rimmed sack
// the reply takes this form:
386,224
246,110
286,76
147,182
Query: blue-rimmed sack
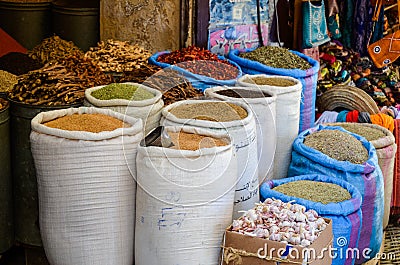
307,77
366,177
201,82
346,216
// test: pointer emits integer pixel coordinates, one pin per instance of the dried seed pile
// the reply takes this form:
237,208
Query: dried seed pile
3,104
86,122
175,86
314,191
122,91
200,61
276,57
191,141
18,63
371,134
283,222
54,49
210,111
243,93
270,81
338,145
118,56
7,81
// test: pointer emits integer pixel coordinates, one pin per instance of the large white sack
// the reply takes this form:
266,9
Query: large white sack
287,119
149,110
244,140
86,190
184,202
264,110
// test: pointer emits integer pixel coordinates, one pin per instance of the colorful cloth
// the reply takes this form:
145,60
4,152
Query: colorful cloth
327,117
383,120
342,116
352,116
363,117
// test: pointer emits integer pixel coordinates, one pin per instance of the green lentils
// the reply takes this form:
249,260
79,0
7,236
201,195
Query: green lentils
270,81
122,91
338,145
371,134
276,57
314,191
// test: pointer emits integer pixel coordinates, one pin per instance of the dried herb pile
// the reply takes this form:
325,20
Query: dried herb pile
118,56
243,93
3,104
122,91
54,49
7,81
338,145
270,81
18,63
276,57
315,191
371,134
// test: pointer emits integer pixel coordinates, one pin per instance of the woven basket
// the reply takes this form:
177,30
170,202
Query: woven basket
348,97
391,253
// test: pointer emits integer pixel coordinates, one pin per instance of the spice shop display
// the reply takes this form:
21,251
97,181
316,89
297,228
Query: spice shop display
263,105
284,63
234,118
288,100
18,63
384,142
98,195
366,176
118,56
54,49
329,197
276,224
201,67
131,99
185,190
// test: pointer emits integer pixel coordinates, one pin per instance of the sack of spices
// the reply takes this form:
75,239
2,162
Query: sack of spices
234,118
184,197
132,99
383,141
280,61
263,105
330,198
335,152
288,97
85,160
201,67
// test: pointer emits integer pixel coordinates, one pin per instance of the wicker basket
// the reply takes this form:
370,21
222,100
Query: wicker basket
347,97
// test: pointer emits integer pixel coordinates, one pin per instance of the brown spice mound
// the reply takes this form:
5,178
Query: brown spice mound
191,141
210,111
270,81
86,122
3,104
338,145
315,191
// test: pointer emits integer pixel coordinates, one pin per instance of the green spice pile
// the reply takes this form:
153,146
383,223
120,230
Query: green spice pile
54,49
243,93
276,57
3,104
338,145
175,86
86,122
118,56
122,91
7,81
191,141
371,134
270,81
314,191
200,61
210,111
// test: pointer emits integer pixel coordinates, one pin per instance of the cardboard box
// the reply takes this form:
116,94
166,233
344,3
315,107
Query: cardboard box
247,250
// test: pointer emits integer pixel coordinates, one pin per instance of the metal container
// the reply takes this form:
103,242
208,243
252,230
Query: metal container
28,23
77,21
6,204
26,207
